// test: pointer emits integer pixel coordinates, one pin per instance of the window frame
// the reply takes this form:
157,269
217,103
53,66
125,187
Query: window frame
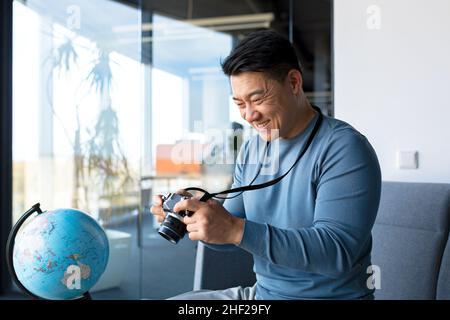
6,30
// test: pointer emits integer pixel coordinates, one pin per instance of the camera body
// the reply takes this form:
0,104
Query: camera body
173,228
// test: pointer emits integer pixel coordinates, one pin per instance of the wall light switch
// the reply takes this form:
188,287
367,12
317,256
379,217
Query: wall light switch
407,159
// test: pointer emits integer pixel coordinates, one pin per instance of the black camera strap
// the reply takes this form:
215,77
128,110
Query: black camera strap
249,187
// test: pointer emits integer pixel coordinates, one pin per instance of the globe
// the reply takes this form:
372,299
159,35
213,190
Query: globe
59,254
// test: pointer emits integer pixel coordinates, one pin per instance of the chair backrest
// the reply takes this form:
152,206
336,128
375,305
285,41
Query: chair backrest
443,286
409,237
216,270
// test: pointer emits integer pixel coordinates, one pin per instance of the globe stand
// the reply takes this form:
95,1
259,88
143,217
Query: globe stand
9,254
85,296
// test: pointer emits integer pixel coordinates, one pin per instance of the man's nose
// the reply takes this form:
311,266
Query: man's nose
251,114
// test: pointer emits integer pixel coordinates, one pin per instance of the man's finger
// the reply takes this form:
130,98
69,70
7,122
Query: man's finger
184,193
189,204
192,227
189,220
157,210
157,200
194,235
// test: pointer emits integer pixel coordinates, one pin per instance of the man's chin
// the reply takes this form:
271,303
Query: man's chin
269,135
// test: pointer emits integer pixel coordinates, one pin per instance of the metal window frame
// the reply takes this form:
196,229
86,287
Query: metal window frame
6,15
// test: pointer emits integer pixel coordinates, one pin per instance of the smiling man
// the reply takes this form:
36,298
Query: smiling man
310,233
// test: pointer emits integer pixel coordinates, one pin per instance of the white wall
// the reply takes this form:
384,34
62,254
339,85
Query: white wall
392,80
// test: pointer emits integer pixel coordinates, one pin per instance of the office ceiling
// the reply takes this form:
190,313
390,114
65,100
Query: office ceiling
311,22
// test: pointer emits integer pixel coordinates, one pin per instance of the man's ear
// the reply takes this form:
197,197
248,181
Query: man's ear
294,77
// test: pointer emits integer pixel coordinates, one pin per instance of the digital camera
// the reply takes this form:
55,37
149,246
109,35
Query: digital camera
173,228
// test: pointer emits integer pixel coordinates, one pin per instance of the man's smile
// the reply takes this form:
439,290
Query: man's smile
261,125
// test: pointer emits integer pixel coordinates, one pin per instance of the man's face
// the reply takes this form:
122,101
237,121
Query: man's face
264,103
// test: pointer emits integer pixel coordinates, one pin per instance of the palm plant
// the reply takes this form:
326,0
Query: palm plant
105,157
100,158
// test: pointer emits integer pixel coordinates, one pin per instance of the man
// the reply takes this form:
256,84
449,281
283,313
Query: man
309,234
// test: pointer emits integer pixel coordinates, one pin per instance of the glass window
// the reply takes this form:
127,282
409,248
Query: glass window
116,101
77,106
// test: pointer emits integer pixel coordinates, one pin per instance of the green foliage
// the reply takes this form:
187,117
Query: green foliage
105,157
65,53
100,76
100,156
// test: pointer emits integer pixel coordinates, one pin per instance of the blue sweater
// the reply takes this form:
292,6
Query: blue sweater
310,234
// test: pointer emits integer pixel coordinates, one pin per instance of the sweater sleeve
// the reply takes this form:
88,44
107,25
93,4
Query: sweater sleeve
348,186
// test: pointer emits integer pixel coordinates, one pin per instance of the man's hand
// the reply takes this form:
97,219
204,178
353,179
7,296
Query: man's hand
157,210
210,222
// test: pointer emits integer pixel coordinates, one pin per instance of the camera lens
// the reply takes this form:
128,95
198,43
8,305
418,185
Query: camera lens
172,229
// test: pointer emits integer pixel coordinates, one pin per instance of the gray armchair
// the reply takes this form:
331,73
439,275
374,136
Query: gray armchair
411,246
410,237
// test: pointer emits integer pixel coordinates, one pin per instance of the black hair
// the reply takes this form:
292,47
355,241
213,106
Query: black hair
262,51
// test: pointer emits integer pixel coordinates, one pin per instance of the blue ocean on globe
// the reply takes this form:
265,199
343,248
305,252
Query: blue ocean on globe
60,254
